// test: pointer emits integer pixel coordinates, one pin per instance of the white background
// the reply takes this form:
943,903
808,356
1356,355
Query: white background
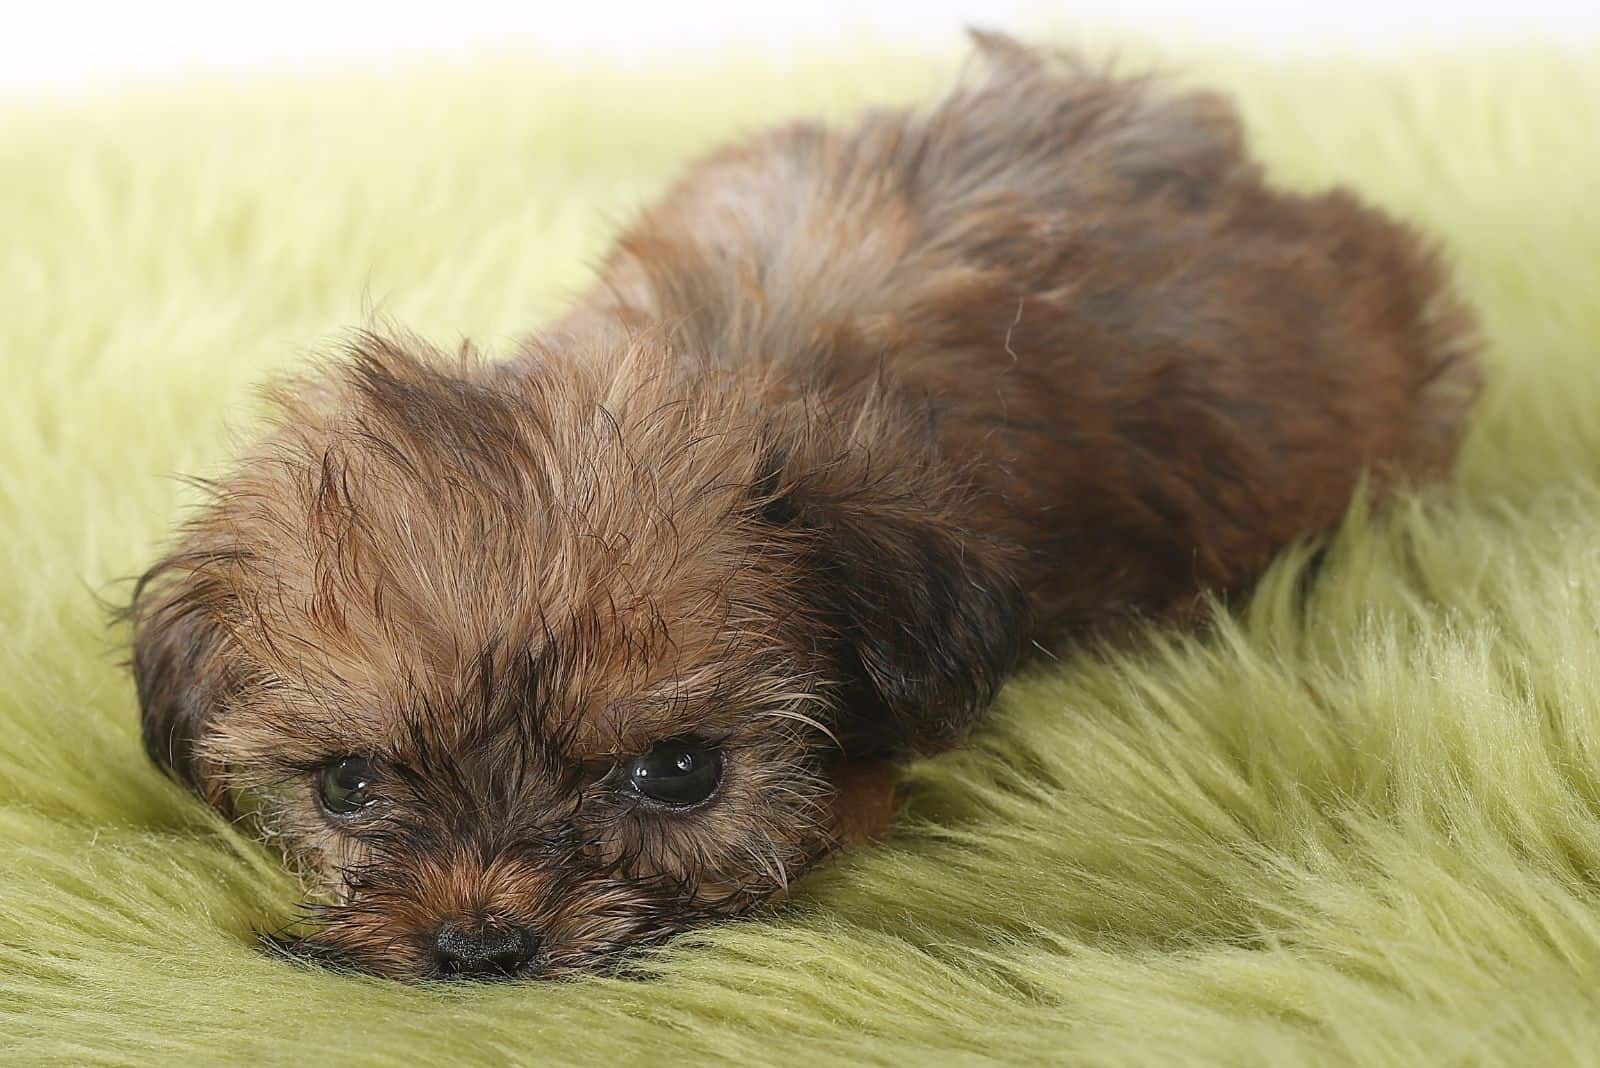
56,47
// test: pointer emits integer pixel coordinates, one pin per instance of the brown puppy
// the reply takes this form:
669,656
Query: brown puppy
529,662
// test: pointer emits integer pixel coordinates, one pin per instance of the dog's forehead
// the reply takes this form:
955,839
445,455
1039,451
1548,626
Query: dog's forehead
589,695
426,544
613,674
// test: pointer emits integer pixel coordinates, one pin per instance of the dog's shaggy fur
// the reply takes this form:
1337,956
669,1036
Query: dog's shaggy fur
852,421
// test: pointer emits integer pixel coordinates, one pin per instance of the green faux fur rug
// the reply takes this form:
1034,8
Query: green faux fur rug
1364,828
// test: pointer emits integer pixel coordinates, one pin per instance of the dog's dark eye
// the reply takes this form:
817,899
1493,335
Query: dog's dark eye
345,786
678,772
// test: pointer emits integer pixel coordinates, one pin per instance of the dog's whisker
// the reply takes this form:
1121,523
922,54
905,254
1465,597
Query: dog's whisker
800,717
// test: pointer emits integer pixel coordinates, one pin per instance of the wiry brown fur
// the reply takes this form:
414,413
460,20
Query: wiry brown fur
851,421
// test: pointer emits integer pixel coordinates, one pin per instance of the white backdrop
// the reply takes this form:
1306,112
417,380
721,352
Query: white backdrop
68,46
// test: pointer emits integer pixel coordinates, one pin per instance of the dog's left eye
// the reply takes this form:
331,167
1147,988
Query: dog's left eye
345,786
678,772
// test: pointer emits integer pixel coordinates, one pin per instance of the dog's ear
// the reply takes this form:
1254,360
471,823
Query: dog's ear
925,616
181,673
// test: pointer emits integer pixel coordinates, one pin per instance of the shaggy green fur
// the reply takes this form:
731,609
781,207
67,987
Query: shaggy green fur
1363,828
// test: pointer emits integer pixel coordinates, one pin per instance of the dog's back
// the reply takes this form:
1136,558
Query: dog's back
1161,369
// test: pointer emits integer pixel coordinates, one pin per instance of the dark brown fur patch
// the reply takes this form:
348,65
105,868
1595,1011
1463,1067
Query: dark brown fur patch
852,420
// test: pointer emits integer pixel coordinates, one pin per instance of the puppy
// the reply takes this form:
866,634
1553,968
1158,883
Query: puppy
530,662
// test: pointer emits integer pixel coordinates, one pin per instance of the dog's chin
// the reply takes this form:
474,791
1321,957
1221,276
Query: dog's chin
319,951
389,953
331,954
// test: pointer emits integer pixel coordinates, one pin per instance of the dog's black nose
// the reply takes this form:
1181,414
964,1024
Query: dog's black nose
472,949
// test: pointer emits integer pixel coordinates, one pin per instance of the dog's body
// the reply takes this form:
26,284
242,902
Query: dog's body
850,422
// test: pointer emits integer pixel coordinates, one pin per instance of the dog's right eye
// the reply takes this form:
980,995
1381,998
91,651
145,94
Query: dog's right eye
345,786
678,773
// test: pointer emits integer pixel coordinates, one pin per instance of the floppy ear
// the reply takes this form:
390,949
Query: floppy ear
926,616
181,674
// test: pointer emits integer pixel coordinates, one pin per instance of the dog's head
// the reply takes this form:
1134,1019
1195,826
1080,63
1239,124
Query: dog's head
526,665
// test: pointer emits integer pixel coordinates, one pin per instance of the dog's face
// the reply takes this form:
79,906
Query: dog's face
525,666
